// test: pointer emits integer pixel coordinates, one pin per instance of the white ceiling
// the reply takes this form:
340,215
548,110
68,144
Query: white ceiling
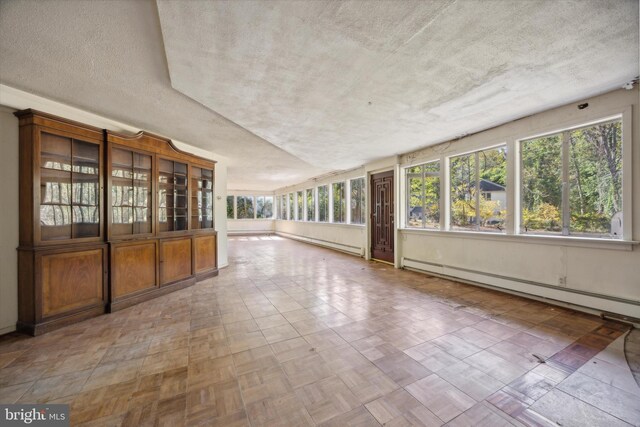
287,90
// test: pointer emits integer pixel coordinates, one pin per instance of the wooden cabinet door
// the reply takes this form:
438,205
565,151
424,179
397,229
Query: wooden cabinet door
204,253
175,260
133,268
72,280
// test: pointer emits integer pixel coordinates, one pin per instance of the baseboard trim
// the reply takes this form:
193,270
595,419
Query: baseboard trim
352,250
583,300
249,232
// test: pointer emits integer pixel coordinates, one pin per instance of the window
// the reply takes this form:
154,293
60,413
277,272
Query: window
311,204
323,203
283,206
473,175
292,211
423,189
339,213
571,182
357,201
230,207
264,207
300,206
244,207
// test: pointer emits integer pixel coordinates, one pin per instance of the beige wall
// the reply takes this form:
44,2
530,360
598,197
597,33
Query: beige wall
9,215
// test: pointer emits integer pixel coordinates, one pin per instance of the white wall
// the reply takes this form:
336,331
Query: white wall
569,270
9,214
11,100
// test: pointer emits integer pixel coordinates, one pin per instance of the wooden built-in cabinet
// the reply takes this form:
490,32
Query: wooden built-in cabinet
106,220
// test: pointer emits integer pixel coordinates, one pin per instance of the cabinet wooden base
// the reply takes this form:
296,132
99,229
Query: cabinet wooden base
154,293
35,329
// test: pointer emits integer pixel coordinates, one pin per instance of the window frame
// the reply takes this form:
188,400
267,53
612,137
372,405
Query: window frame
349,200
328,204
508,192
344,202
407,197
233,207
311,191
625,118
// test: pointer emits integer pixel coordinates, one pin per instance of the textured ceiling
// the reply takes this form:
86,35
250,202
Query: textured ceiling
107,57
340,83
290,90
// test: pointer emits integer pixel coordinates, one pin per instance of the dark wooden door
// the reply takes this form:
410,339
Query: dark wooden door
382,216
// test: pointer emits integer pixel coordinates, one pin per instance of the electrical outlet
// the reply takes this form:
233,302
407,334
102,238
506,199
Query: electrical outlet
562,280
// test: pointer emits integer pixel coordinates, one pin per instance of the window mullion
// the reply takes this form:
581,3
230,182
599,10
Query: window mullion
424,196
566,212
477,167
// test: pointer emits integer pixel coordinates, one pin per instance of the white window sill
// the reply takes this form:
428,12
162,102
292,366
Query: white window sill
335,224
250,219
583,242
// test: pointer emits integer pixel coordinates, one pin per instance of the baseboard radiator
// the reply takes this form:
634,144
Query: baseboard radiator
575,298
354,250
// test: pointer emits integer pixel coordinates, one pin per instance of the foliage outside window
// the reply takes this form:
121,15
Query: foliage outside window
339,208
472,177
357,201
311,204
323,203
230,207
292,209
300,206
571,182
264,207
423,189
244,207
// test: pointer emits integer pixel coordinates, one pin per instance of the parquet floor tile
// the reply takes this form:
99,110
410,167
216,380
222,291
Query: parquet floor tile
294,335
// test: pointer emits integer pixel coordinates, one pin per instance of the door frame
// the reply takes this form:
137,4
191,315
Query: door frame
396,212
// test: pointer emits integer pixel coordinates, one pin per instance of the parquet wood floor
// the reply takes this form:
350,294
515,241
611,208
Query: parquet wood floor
294,335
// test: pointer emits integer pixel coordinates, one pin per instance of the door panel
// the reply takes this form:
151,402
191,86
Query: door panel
205,253
175,260
382,211
133,268
71,280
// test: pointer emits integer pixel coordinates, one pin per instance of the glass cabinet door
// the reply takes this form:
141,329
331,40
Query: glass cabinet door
130,192
172,195
201,198
69,188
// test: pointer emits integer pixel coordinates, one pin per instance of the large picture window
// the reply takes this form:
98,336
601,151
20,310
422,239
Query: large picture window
244,207
323,203
264,207
423,190
571,182
311,204
339,208
357,201
478,190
